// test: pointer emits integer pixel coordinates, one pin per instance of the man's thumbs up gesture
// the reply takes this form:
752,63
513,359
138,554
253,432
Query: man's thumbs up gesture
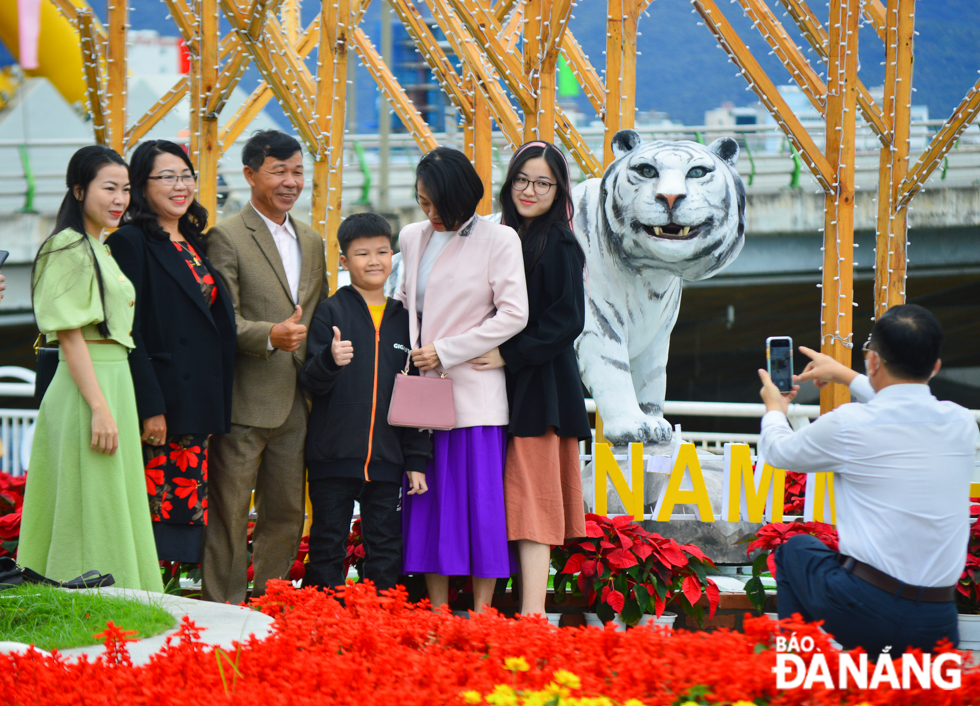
343,351
288,335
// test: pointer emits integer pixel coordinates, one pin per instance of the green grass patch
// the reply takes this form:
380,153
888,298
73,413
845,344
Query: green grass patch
54,619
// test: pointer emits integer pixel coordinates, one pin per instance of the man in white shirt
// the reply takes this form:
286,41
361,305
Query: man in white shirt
902,464
275,272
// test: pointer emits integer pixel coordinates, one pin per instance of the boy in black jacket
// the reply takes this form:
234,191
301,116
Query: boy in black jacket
352,453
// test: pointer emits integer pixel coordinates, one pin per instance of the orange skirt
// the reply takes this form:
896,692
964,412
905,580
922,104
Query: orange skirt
543,489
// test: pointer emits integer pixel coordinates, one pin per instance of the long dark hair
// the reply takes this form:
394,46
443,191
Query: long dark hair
83,167
140,213
534,236
452,185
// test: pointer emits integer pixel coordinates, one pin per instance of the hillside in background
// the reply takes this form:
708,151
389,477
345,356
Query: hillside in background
683,72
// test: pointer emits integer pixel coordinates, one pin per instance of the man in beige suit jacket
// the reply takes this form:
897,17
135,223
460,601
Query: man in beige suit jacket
274,270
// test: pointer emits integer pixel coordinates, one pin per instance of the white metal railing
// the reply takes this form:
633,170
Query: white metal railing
15,424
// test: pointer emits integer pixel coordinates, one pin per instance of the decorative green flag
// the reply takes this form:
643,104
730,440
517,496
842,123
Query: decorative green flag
567,84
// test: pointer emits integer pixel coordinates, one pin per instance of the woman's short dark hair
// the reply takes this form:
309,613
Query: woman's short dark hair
908,338
140,213
268,143
535,236
451,184
362,225
83,167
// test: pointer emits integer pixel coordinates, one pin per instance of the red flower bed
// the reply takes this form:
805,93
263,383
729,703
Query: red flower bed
383,650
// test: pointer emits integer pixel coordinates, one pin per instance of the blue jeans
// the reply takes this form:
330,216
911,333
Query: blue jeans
811,581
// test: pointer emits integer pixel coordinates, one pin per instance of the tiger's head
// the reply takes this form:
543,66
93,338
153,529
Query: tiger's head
674,206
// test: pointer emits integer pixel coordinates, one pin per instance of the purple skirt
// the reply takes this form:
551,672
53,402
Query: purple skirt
459,527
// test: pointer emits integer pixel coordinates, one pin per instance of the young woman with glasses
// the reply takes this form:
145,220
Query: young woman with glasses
542,480
184,331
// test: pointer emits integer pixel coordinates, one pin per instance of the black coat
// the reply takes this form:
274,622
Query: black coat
184,358
337,436
543,384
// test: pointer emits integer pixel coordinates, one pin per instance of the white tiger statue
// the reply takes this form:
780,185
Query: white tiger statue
663,212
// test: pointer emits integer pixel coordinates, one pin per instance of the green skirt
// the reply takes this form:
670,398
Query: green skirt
85,510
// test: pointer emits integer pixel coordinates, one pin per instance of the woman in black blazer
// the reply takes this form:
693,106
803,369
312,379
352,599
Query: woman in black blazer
184,331
542,477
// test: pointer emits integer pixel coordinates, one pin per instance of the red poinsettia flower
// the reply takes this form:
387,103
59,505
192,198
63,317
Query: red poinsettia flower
184,458
186,488
12,489
10,524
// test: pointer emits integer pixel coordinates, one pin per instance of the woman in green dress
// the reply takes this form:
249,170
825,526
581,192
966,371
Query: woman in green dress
85,502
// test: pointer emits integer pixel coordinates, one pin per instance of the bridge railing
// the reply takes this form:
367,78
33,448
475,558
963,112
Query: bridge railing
32,172
15,423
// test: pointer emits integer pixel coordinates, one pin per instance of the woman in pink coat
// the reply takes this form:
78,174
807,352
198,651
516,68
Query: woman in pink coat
465,293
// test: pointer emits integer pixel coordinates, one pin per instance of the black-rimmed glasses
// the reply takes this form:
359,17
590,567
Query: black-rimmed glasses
540,187
171,179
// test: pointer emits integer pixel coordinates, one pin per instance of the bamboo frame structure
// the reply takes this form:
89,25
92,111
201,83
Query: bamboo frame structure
507,52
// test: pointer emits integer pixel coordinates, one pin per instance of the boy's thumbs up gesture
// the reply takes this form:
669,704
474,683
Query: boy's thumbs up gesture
343,351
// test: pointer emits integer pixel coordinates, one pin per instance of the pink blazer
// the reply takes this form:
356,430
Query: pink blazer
475,299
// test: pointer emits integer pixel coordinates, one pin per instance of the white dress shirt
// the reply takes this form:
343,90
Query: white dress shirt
437,243
288,246
289,252
902,465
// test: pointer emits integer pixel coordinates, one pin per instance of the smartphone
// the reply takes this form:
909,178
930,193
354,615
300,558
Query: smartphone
3,257
779,361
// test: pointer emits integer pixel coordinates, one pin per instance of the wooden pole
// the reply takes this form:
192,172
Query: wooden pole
91,63
544,26
621,21
115,86
836,337
208,145
533,25
329,111
384,115
482,151
890,256
291,20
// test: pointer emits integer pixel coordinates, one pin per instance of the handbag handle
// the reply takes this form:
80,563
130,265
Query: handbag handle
408,360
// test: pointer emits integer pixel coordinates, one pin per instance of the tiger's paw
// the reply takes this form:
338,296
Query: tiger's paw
639,428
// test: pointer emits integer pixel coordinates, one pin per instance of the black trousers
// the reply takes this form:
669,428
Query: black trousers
333,507
811,581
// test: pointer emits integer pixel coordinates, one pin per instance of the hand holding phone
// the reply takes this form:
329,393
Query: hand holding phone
779,362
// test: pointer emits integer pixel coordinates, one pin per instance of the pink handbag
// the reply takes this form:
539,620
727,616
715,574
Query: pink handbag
422,402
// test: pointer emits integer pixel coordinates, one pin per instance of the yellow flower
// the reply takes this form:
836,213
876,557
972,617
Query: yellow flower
502,695
516,664
536,698
750,703
573,682
637,702
471,697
